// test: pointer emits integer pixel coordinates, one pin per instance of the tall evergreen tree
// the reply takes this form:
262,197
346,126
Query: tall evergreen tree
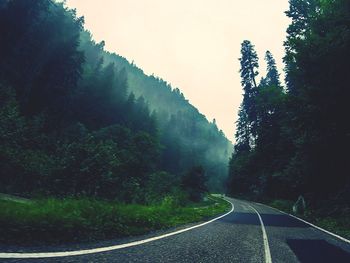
247,123
272,76
242,132
249,70
301,13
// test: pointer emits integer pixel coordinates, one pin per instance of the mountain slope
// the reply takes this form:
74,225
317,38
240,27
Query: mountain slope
189,138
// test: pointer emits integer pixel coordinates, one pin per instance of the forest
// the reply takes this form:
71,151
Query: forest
97,148
76,120
293,140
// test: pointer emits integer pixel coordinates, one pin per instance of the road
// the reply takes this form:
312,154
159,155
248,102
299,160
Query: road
251,233
12,198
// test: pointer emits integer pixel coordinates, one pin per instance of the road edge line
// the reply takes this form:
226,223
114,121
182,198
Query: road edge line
268,258
306,222
17,255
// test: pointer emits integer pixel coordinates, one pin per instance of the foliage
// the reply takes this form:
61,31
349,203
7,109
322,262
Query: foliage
302,131
194,183
247,122
70,220
76,120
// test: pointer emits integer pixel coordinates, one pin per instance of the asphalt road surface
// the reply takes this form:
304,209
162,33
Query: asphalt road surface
251,233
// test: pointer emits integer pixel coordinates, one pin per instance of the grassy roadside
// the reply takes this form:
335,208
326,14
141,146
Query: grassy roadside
336,221
70,220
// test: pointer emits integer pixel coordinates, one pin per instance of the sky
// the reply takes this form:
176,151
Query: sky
192,44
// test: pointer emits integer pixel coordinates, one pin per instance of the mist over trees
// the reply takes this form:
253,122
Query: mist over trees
294,140
188,138
76,120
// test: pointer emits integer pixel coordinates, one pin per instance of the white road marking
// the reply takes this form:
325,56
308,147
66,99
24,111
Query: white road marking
266,241
245,208
306,222
109,248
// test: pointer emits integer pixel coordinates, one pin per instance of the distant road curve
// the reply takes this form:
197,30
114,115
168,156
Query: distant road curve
250,232
7,197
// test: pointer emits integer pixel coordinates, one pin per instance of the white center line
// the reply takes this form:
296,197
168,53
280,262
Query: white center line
109,248
266,241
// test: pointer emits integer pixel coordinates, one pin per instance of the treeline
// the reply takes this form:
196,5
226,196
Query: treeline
71,125
294,140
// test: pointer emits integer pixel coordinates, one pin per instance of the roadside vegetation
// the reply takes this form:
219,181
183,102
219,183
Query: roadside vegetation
330,217
53,220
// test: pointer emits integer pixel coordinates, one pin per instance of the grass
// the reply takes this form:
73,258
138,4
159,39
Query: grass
70,220
283,205
339,225
336,221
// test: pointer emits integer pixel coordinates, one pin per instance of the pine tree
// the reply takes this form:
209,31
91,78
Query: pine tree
249,70
301,13
272,76
242,132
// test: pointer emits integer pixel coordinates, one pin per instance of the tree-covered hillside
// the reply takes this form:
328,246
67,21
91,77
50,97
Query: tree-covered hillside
76,120
188,138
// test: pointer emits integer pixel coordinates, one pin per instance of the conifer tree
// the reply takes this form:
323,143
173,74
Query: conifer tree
272,76
249,70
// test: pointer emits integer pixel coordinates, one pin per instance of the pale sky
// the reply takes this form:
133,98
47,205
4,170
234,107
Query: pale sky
192,44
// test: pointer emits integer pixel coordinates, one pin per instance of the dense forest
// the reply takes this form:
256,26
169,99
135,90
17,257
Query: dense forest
294,140
76,120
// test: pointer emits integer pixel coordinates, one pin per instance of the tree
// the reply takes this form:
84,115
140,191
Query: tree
318,52
39,56
242,132
249,70
301,12
247,123
272,77
194,183
302,134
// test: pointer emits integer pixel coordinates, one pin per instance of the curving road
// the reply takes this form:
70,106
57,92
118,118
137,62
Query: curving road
251,233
